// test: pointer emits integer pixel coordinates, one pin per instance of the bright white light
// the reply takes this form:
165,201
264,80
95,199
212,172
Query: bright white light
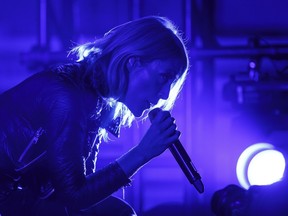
266,168
260,164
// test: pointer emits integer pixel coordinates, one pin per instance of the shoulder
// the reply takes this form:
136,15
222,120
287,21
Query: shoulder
40,87
52,91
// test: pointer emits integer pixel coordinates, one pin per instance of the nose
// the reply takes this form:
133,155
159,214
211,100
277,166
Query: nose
164,92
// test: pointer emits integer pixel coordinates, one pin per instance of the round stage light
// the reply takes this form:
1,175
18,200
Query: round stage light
260,164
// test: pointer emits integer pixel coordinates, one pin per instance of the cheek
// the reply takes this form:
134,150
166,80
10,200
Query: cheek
145,85
149,88
141,86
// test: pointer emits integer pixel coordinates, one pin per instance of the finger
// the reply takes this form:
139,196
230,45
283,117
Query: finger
170,131
167,123
172,139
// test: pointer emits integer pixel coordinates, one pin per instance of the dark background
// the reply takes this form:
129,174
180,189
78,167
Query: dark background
218,121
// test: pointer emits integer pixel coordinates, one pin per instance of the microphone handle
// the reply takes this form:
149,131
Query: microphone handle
183,160
186,165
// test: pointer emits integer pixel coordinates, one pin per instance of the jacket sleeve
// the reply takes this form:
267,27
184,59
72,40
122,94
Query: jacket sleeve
65,122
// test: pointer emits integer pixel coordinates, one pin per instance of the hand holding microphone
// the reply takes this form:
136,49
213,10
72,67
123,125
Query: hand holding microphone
182,159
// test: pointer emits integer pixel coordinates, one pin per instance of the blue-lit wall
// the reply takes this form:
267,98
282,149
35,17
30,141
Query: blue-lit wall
36,33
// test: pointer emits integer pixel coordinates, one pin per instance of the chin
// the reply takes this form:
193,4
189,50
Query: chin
145,112
139,113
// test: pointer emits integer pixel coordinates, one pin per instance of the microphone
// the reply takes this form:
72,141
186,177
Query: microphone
183,159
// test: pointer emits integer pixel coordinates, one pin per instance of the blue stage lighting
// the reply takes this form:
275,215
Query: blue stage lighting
260,164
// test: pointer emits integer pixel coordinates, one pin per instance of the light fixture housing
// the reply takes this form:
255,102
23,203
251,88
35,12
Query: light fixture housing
260,164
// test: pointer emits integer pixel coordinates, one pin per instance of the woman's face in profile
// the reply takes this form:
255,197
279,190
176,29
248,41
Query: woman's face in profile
148,82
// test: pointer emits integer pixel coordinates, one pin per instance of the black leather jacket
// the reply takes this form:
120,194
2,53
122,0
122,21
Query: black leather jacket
61,105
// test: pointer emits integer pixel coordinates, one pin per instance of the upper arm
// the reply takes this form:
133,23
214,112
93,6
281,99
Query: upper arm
64,123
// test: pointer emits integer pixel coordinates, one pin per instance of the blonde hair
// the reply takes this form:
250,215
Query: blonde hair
148,38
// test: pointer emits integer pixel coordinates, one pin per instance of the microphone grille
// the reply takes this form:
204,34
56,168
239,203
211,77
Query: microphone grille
152,114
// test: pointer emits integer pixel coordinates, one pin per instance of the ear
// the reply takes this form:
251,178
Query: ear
132,63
